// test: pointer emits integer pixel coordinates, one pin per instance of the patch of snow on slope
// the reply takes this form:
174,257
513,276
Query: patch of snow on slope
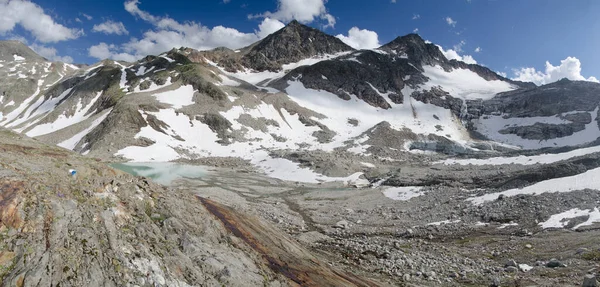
546,158
443,222
367,164
403,193
41,106
254,77
201,140
18,58
562,219
492,124
178,98
73,141
16,112
399,116
587,180
168,59
464,84
225,80
63,121
140,71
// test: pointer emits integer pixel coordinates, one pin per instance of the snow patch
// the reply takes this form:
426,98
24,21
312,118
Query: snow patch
587,180
561,220
178,98
403,193
73,141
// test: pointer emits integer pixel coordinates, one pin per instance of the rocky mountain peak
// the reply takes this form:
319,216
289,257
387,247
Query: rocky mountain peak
12,50
291,44
416,49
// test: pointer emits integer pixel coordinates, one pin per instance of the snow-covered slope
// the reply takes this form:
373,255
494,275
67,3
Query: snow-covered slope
403,97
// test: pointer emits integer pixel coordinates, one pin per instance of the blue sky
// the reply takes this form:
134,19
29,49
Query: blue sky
514,37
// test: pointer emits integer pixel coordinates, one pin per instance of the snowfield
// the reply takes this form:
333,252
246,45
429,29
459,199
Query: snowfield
403,193
490,125
464,84
562,219
587,180
546,158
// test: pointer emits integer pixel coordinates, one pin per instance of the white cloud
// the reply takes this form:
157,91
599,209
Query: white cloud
503,74
133,9
416,30
32,18
393,1
451,22
168,33
226,1
569,68
478,50
88,17
416,16
305,11
360,38
458,47
268,26
105,51
452,54
78,20
50,53
111,27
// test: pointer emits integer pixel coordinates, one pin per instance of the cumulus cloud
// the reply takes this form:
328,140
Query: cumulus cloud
169,33
416,16
360,38
458,47
268,26
451,22
452,54
50,53
88,17
33,19
478,50
416,30
106,51
111,27
569,68
305,11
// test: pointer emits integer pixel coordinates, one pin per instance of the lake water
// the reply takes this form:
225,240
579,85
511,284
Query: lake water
162,172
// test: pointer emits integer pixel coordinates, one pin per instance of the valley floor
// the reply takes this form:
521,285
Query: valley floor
432,236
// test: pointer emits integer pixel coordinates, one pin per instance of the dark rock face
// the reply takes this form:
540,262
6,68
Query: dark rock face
440,98
581,118
368,74
218,124
291,44
541,131
553,99
325,135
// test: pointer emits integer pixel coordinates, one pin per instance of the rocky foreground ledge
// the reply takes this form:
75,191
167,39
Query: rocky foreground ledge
102,227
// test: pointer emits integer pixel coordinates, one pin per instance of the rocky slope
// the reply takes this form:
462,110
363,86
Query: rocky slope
293,43
102,227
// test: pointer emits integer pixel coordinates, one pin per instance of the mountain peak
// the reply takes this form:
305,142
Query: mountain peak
10,48
291,44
